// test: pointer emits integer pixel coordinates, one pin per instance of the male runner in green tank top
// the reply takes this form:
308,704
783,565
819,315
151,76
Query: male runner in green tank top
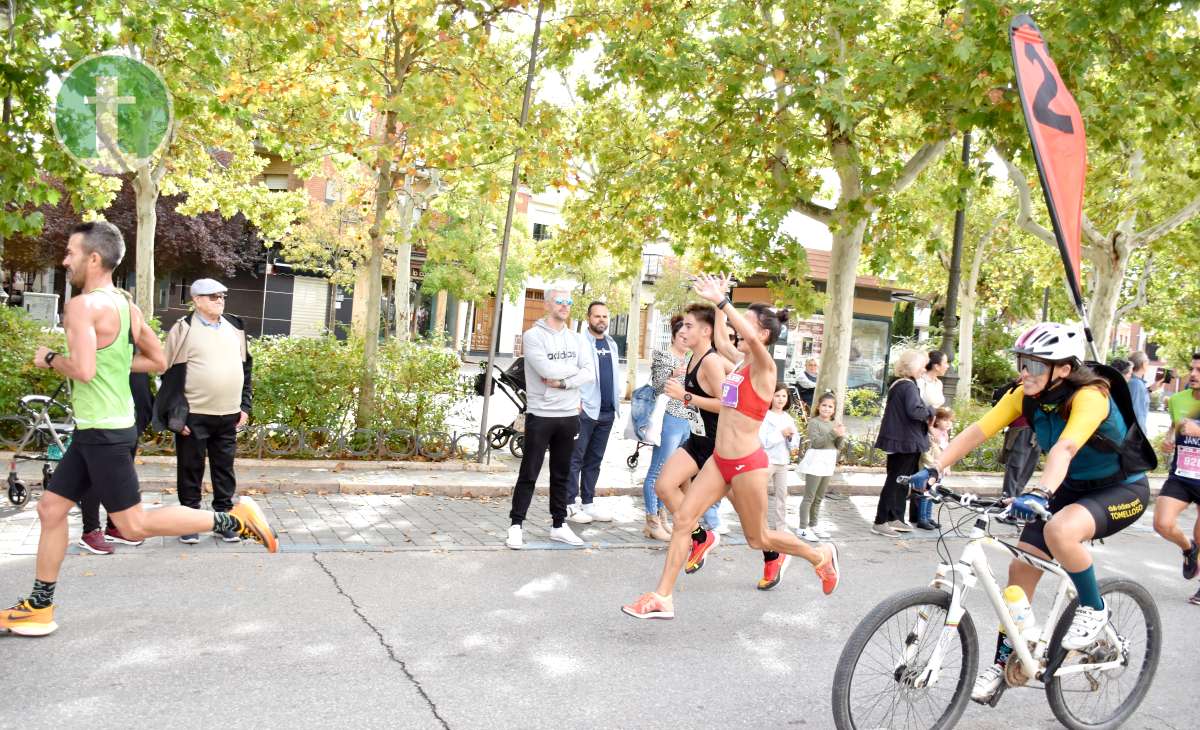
102,328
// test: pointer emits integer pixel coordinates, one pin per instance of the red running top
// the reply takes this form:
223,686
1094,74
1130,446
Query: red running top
737,392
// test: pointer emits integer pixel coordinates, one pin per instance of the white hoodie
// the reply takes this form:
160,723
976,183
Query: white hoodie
554,356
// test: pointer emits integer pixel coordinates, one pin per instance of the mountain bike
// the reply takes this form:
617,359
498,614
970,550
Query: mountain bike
911,662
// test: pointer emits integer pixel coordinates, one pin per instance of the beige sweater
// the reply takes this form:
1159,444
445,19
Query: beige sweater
214,369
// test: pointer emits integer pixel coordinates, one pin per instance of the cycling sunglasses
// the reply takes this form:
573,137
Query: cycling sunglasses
564,300
1032,365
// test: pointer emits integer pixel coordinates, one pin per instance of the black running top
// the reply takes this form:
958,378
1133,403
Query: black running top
691,384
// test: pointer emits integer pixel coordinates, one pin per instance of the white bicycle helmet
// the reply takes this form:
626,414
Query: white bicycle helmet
1052,342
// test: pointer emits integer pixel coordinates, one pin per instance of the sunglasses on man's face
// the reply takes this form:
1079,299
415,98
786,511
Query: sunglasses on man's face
214,296
1032,366
564,300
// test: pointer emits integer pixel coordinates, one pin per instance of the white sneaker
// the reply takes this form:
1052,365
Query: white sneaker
821,532
900,526
577,515
724,529
516,538
986,684
596,513
808,535
1085,628
564,534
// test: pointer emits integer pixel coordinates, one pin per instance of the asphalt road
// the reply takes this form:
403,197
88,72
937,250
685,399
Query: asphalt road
495,639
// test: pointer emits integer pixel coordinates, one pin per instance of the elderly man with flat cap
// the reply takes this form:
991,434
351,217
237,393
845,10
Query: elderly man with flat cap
205,397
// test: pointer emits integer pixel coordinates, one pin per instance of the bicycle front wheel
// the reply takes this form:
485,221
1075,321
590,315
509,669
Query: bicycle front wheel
879,678
1103,700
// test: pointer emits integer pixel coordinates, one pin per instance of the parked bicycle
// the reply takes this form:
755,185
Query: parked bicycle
912,661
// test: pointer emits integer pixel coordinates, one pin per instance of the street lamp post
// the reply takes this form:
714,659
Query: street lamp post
950,317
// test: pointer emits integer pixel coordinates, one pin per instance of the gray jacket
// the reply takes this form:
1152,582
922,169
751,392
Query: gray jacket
555,356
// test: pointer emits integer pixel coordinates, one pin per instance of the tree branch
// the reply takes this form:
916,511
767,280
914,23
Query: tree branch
1025,219
813,210
916,165
1181,216
1139,297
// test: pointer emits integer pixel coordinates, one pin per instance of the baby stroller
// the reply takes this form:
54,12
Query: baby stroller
512,383
48,424
641,405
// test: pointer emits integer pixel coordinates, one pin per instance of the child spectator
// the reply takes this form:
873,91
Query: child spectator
939,439
826,437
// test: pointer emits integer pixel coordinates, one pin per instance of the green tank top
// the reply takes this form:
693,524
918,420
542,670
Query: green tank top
106,401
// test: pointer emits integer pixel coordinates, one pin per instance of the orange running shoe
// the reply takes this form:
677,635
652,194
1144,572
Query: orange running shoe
25,620
828,571
773,572
700,549
254,524
651,605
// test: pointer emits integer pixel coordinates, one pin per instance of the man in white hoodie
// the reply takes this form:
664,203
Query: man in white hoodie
556,365
601,400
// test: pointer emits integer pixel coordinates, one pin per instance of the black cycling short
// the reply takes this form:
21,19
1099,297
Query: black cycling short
101,461
1177,488
699,448
1113,508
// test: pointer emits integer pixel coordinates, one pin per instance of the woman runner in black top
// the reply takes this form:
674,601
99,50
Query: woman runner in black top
702,379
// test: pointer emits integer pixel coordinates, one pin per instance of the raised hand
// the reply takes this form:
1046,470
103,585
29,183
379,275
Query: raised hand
709,287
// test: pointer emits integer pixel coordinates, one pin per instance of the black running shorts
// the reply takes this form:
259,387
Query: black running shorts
1176,488
1113,508
101,461
699,448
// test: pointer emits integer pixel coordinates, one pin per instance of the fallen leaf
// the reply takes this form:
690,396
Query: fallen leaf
88,574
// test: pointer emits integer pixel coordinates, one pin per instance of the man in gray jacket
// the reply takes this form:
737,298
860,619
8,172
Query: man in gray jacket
556,365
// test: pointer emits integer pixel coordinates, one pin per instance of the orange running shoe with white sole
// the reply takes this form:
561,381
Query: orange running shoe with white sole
25,620
700,550
254,524
651,605
829,571
773,571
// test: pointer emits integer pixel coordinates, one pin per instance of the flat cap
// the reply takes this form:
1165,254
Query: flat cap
200,287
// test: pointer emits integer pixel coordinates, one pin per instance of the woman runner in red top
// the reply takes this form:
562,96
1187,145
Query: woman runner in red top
737,468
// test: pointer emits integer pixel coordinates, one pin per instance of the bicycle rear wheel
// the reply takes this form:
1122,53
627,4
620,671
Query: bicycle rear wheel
873,687
1105,700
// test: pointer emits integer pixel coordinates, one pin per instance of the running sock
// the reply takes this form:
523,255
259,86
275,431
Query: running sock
1087,588
42,594
223,521
698,534
769,555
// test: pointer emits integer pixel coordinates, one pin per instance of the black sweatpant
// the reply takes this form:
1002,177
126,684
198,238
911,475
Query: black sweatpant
894,495
558,435
216,437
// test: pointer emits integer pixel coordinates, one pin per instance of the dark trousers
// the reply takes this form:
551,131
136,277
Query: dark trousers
588,455
216,437
1021,460
143,405
894,494
542,433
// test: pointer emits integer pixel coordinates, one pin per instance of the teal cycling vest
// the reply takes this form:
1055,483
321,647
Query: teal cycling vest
1089,464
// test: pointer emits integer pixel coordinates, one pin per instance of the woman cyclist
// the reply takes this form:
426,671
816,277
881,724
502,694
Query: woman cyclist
738,467
1083,487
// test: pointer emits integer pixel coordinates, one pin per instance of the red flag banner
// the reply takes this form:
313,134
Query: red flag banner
1059,145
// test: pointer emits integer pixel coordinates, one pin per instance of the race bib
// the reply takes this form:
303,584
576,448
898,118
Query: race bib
1187,457
729,389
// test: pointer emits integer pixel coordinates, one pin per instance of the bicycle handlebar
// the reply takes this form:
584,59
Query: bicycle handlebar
970,501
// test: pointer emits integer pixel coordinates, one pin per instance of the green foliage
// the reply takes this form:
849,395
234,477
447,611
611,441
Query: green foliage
993,365
419,387
305,382
311,383
902,320
20,337
863,403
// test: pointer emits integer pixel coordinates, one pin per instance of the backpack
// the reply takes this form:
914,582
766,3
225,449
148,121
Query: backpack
1135,452
641,407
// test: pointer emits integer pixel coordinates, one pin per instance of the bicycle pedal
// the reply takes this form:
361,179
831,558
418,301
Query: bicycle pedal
995,699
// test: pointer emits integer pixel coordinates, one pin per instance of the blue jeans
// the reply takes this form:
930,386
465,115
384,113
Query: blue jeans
675,431
588,455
